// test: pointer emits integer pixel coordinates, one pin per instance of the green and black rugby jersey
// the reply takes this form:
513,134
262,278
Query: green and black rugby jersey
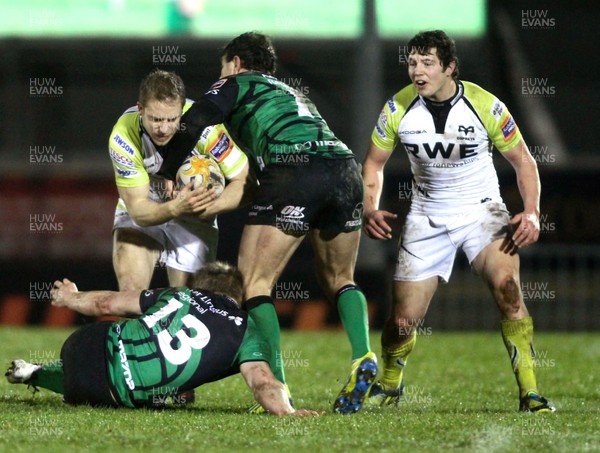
267,118
272,119
185,338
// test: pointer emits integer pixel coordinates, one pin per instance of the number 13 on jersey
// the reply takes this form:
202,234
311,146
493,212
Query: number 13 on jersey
181,354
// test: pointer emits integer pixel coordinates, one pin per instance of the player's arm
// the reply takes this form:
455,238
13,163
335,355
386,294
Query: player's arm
268,391
375,220
199,116
96,303
146,212
527,222
239,191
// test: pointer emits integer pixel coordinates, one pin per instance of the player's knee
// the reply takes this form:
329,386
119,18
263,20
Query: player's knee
508,293
407,326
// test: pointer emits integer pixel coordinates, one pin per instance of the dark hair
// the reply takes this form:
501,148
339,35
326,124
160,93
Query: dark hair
255,50
162,86
220,277
445,47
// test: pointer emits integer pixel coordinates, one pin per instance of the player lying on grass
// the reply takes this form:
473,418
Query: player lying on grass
180,339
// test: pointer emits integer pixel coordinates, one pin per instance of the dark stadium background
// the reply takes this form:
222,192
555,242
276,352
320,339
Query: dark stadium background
56,216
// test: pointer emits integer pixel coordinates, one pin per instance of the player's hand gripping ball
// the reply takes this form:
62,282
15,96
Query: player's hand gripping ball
203,170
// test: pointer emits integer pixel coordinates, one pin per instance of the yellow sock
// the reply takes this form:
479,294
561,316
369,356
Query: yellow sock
518,339
394,361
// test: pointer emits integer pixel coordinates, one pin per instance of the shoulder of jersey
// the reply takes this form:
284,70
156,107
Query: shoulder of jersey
188,103
402,99
128,119
478,96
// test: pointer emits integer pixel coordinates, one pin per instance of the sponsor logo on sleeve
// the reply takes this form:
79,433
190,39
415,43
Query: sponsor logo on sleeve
220,149
383,119
123,145
497,109
120,159
214,89
126,173
509,128
380,132
392,105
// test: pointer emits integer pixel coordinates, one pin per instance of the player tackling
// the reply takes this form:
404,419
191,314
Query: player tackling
446,126
178,339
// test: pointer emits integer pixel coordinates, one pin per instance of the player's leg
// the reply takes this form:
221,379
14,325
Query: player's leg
189,245
425,256
410,301
264,253
49,376
500,271
335,260
134,257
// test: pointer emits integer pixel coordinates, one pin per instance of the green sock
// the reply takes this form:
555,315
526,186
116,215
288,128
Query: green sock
262,312
518,339
394,361
50,377
352,307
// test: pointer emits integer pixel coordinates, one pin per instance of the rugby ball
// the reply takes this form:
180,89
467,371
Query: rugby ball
202,170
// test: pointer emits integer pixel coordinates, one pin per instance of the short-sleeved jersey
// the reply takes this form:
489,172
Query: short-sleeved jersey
273,120
136,159
449,145
185,338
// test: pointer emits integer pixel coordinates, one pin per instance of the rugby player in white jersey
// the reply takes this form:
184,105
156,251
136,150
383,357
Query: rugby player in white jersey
149,224
447,128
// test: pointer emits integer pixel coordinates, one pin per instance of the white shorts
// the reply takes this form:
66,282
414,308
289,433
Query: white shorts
428,244
187,243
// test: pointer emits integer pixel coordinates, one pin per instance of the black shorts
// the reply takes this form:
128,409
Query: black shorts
84,363
313,193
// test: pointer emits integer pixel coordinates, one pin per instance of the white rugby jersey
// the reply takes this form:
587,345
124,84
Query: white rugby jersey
136,160
449,146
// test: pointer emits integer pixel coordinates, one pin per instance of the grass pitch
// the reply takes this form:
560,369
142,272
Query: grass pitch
461,396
